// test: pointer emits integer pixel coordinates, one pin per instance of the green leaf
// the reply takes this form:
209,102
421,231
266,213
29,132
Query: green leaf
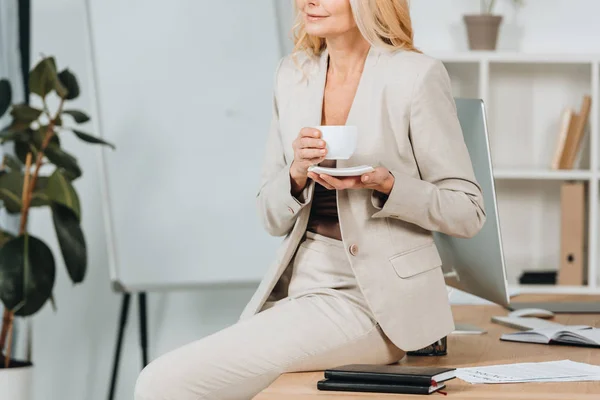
41,183
42,78
52,302
5,96
71,241
69,81
14,131
11,190
5,237
64,160
22,148
60,190
79,116
39,200
59,88
39,135
12,163
8,135
30,284
25,114
91,139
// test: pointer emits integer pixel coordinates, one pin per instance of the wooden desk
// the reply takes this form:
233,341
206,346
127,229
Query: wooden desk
472,350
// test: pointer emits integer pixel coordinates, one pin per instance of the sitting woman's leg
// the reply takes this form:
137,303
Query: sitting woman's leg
313,332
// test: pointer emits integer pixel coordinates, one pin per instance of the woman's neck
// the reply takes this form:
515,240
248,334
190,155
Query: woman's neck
347,54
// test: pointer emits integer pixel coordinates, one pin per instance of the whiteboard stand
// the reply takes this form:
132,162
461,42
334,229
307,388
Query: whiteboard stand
143,315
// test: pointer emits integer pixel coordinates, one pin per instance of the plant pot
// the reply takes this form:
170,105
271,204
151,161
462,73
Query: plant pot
482,31
16,381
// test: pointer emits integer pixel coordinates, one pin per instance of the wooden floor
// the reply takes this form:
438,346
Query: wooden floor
475,350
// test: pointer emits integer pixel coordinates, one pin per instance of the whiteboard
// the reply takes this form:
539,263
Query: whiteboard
184,91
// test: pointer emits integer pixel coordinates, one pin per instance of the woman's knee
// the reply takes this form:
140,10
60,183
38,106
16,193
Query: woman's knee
166,378
151,381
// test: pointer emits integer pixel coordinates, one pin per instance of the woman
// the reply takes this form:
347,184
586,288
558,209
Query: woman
358,277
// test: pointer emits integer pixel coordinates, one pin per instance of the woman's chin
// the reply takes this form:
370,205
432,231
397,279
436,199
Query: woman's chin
316,31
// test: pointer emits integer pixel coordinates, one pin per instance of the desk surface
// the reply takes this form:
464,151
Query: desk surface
474,350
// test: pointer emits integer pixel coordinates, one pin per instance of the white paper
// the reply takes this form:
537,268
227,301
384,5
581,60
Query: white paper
552,371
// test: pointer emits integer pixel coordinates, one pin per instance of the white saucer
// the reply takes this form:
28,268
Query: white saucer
349,171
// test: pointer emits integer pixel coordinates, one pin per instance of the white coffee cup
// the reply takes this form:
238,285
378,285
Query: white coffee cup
340,140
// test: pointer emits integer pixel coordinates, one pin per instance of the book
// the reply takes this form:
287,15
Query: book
566,124
579,335
391,373
377,387
575,135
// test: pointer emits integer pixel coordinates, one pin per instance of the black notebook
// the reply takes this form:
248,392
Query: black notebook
393,373
378,387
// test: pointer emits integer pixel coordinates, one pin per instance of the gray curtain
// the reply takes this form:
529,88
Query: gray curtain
10,68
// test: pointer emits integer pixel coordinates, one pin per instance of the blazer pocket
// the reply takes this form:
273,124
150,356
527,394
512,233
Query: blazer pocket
415,261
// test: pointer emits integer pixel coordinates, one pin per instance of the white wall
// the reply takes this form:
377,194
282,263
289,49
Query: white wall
541,26
73,348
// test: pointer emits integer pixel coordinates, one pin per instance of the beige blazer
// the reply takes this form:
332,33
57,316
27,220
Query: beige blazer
407,122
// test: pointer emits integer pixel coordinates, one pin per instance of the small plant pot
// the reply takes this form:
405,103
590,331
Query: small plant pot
482,31
16,381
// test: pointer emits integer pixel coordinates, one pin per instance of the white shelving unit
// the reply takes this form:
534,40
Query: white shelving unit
525,95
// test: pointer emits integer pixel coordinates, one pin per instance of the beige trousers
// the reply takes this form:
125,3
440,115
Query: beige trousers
322,322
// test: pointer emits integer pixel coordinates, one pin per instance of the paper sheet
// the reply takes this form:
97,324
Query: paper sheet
553,371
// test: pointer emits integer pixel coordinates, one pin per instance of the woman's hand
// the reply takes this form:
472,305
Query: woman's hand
380,180
309,149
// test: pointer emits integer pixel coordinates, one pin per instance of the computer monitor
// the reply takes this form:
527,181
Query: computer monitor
476,265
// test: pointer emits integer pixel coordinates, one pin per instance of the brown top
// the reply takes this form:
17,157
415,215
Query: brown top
323,214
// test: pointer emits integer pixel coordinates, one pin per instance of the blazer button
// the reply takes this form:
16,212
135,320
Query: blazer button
354,249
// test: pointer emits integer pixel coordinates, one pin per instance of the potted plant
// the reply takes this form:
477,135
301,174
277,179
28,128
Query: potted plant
482,28
41,174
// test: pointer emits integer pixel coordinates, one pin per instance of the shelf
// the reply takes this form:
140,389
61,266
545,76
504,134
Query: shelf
515,57
529,174
525,95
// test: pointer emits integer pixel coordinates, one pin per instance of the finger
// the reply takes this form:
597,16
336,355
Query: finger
308,154
313,161
335,182
320,181
310,132
307,142
310,162
374,178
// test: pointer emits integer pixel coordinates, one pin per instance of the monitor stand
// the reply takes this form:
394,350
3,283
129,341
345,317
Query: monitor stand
467,329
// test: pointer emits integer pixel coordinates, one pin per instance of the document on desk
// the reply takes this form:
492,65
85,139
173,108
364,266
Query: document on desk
552,371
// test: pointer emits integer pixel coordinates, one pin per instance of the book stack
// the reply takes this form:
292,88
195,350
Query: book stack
573,249
393,378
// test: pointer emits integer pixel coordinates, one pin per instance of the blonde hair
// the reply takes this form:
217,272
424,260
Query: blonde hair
383,23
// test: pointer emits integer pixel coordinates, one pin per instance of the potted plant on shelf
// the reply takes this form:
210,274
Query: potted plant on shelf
27,264
482,28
